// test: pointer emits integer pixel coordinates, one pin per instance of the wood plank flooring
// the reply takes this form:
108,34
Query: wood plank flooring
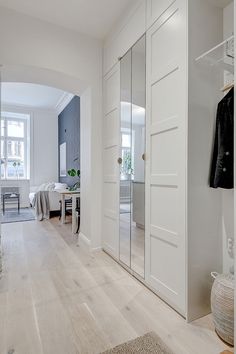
57,298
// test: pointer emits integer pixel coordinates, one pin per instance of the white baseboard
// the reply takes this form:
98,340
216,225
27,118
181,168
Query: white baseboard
84,239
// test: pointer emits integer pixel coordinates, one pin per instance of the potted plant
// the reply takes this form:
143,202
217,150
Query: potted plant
16,165
74,173
126,168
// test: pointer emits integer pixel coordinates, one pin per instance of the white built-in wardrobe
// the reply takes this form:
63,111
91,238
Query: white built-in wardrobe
187,223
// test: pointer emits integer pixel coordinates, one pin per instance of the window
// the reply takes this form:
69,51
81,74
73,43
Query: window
14,145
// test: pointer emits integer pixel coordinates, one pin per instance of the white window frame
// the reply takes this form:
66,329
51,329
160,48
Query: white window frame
25,119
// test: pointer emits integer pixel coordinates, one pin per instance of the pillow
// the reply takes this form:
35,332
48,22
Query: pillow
58,186
41,187
46,186
34,189
49,186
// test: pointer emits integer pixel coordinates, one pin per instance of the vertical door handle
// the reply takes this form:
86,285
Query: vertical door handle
143,157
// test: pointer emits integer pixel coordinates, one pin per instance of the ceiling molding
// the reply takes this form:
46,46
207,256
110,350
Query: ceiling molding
63,101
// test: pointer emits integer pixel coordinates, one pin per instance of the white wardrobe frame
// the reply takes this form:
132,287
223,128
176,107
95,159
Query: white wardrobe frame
111,178
183,243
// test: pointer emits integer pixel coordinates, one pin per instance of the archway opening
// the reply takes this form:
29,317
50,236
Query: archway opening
59,80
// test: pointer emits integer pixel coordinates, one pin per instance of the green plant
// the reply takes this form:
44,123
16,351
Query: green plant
16,165
127,163
74,173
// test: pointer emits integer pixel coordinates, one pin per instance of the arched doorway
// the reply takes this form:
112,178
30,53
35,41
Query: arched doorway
90,180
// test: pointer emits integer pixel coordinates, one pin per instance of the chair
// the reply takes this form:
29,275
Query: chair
77,210
68,207
10,195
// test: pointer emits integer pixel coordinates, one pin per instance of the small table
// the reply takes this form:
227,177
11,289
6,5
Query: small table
11,197
73,195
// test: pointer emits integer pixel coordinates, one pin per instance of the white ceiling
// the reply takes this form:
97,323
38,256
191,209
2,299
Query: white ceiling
31,95
92,17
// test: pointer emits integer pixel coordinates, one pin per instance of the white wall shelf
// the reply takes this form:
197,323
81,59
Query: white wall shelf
220,55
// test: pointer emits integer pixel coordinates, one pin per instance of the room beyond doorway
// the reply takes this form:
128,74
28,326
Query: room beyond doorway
30,147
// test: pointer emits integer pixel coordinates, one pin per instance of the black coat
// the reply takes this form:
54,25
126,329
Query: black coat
222,168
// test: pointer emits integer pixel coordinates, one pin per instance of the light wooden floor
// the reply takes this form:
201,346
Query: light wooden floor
56,298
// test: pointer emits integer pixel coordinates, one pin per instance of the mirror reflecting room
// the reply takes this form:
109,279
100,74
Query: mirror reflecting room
132,157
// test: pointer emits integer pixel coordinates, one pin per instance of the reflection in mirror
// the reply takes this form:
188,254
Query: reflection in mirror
132,152
138,153
126,160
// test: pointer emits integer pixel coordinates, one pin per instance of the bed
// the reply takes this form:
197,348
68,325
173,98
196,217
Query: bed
53,195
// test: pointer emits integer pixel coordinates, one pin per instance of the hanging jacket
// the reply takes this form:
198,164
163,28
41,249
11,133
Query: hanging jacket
222,168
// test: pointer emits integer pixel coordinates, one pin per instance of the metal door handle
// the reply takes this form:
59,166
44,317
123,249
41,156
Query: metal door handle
143,157
119,160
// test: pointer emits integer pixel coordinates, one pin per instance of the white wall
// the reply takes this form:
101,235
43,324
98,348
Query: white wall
228,21
44,147
32,42
228,196
85,127
39,52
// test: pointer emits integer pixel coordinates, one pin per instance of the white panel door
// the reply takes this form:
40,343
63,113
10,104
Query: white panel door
166,160
132,27
156,8
110,229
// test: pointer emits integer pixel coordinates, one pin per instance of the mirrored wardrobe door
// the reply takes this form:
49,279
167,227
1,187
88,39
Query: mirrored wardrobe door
138,155
125,160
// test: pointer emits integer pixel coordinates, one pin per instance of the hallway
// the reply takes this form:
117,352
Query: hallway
56,297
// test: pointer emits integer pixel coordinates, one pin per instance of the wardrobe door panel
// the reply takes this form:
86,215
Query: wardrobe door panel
165,46
166,163
110,224
132,157
165,151
138,153
110,164
126,158
111,127
161,91
111,91
164,270
110,196
156,8
164,217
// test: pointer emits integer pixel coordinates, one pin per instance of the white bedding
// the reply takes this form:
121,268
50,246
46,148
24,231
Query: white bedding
31,197
54,196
